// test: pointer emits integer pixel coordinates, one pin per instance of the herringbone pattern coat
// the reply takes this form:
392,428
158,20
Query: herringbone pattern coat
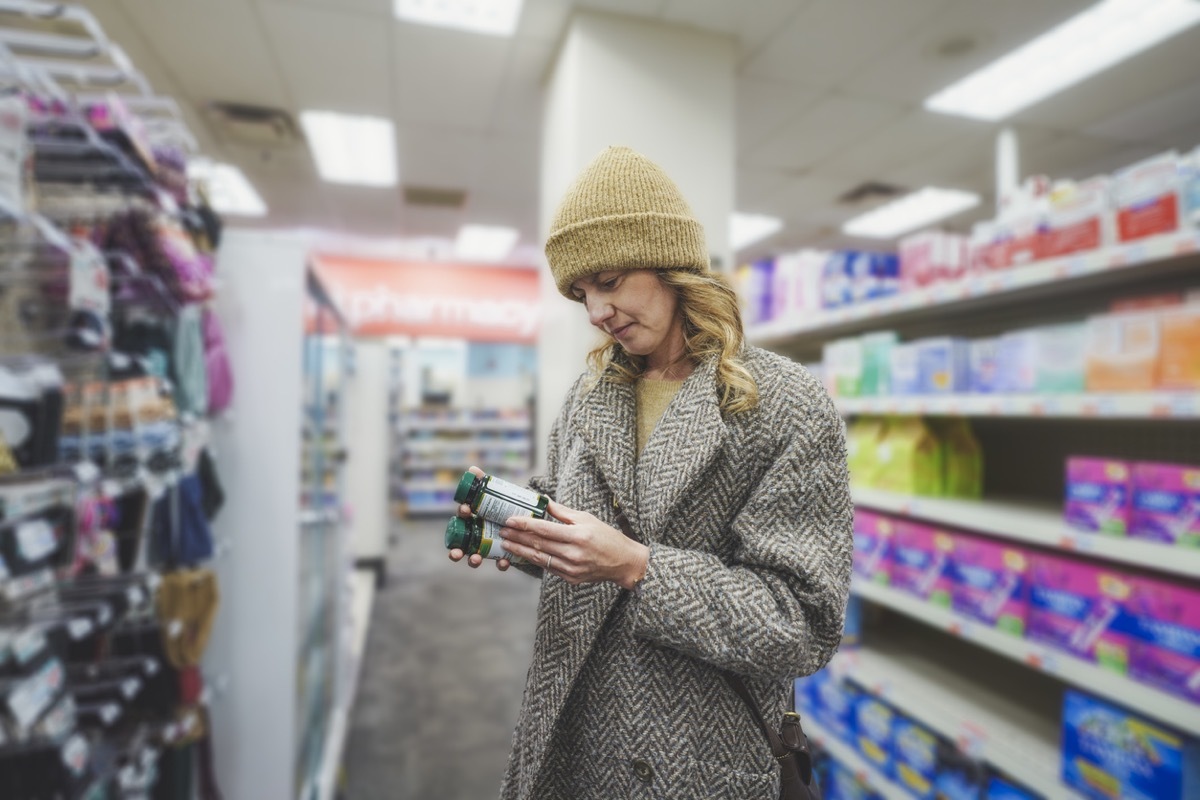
748,520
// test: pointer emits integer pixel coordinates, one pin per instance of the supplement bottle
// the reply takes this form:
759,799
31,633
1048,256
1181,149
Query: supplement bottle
497,500
477,535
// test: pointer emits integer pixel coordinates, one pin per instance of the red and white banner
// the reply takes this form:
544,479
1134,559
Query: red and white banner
409,298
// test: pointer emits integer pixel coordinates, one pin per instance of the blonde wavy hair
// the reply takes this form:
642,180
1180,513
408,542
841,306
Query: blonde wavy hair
712,328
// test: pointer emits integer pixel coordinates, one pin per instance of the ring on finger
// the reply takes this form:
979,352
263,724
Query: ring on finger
549,558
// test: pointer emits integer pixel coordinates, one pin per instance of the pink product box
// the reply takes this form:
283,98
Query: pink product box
1080,608
988,582
921,561
1099,495
1166,503
872,545
1164,628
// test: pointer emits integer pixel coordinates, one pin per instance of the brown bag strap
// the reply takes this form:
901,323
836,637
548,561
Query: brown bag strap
739,687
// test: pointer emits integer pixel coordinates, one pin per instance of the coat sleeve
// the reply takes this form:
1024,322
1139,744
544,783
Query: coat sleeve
777,611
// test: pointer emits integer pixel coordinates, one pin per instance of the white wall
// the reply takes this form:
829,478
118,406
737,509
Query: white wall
667,92
368,440
257,449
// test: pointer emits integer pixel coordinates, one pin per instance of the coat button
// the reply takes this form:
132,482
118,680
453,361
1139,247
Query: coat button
644,772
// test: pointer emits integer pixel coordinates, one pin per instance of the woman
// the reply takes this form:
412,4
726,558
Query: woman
728,463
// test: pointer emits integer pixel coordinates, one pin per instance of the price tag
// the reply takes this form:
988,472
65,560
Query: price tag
1185,246
110,713
972,740
36,540
79,627
135,596
86,472
111,489
105,615
1183,404
75,754
128,778
27,645
1034,660
130,687
151,667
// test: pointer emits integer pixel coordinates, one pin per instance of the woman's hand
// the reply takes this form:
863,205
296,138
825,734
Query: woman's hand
579,547
464,511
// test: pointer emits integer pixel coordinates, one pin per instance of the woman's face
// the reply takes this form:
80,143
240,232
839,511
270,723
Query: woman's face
636,309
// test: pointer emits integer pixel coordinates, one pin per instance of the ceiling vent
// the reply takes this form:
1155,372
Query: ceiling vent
432,197
257,126
871,192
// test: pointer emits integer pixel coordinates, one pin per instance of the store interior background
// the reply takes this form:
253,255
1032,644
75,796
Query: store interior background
376,355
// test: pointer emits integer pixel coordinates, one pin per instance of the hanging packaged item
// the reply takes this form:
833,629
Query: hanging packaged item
219,371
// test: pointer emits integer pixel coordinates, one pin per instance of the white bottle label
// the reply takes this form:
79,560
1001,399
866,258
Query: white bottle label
502,500
499,511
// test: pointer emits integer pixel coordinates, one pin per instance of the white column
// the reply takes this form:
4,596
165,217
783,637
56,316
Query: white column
667,92
367,468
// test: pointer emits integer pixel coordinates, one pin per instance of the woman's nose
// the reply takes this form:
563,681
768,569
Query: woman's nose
598,311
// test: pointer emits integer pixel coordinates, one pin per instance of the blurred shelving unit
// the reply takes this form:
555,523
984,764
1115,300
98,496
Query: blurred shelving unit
1025,439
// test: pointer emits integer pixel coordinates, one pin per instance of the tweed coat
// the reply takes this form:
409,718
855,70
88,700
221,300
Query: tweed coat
748,520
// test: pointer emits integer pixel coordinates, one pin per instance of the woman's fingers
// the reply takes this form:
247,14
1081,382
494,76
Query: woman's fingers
556,531
456,555
568,515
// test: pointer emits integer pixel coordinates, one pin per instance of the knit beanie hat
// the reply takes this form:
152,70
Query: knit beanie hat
623,212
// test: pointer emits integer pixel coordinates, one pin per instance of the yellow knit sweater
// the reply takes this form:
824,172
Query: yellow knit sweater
653,397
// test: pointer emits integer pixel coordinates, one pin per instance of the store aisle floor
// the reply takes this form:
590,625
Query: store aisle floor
442,676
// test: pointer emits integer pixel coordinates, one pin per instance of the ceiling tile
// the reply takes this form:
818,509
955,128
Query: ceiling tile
803,197
519,100
444,158
763,106
755,187
374,7
447,77
216,49
509,166
720,16
831,40
918,133
356,43
543,19
828,126
633,8
1160,119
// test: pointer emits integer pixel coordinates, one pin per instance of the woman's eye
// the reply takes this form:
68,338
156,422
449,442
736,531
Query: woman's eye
611,283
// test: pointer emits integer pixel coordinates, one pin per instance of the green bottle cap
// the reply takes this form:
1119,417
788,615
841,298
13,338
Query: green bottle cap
464,487
456,533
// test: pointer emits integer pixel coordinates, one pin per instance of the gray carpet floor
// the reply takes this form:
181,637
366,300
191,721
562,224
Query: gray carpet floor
442,676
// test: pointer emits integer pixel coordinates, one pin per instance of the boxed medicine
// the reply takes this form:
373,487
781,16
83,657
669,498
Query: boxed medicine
873,728
916,757
1122,352
1166,503
872,545
1099,495
1164,629
987,582
921,561
1080,608
1147,198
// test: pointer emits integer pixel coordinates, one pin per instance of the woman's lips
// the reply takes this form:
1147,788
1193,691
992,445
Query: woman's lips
619,332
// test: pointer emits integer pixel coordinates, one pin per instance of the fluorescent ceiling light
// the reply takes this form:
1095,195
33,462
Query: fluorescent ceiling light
910,212
1105,34
494,17
746,229
484,242
228,190
352,149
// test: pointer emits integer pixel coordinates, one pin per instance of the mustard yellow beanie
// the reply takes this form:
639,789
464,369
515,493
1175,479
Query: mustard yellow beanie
623,212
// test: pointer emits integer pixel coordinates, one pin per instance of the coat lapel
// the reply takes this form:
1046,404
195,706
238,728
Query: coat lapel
607,420
683,445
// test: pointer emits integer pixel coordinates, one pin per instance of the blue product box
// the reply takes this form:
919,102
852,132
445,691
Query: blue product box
872,275
873,724
905,369
852,629
943,365
836,288
1109,752
833,704
805,702
843,785
1017,362
916,757
984,366
1000,788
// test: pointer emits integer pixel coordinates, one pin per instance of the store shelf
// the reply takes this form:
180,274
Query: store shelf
1124,263
1131,405
1147,700
848,757
431,508
1031,524
979,720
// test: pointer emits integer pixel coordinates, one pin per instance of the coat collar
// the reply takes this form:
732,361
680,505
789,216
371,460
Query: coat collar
683,445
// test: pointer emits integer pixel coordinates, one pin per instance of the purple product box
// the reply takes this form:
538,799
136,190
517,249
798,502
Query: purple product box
1099,495
1164,630
921,561
1166,504
988,581
873,546
1079,608
757,288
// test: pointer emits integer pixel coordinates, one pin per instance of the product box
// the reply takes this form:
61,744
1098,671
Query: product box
962,458
796,283
873,732
988,582
908,459
1060,358
754,287
1017,362
1189,187
1001,787
1123,352
984,366
1179,351
1108,752
1099,495
872,275
906,371
931,256
988,248
916,757
844,785
1166,503
921,561
863,437
1146,196
959,777
1163,624
835,281
843,360
833,701
943,365
873,545
1079,607
877,363
1079,217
